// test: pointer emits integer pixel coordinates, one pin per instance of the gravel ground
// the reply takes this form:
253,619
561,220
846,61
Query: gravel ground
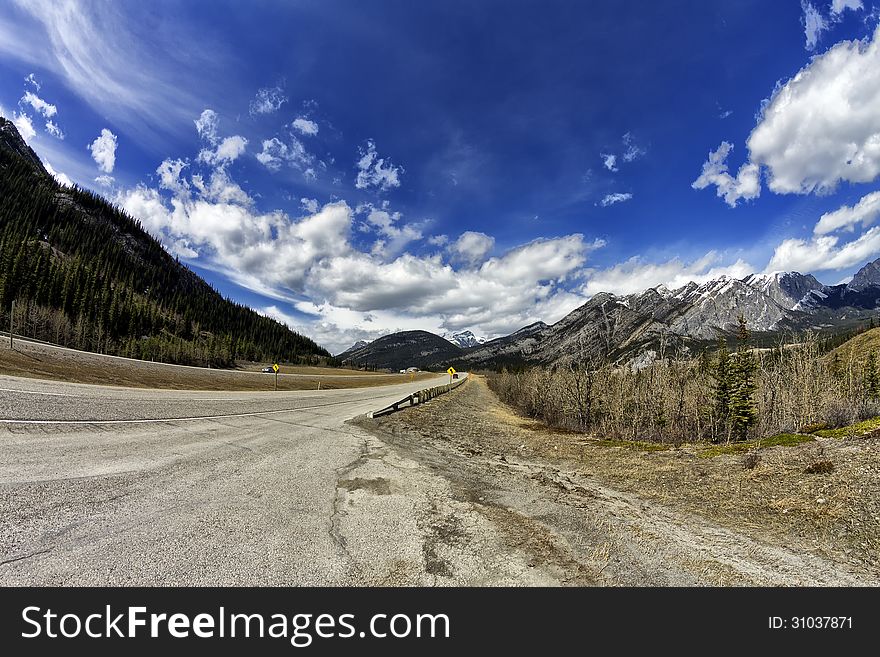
616,516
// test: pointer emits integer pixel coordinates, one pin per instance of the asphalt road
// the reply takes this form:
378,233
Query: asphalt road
114,486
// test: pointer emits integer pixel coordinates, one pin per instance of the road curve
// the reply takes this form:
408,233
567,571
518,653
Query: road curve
115,486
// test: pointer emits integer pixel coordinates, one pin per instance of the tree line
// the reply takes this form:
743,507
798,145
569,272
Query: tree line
85,274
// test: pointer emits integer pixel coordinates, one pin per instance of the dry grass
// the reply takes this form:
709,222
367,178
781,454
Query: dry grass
47,362
835,511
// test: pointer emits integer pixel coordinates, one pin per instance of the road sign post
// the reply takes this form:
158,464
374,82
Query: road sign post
450,372
275,369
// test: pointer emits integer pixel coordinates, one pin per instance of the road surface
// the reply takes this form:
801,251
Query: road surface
115,486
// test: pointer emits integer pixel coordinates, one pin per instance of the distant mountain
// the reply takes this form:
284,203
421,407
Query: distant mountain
465,339
84,274
402,350
658,319
357,345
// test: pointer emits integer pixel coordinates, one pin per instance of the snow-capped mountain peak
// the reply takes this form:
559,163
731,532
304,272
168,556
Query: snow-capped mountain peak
464,339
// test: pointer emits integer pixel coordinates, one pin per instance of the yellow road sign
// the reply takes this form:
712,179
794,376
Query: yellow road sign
450,371
275,368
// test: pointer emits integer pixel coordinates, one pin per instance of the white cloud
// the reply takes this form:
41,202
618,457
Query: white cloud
725,114
170,176
394,234
108,57
276,153
472,247
374,171
822,126
207,124
746,185
305,126
617,197
438,240
53,129
632,151
227,151
105,180
31,80
635,275
310,205
864,212
57,175
38,104
825,252
814,24
839,6
104,151
24,125
609,161
268,100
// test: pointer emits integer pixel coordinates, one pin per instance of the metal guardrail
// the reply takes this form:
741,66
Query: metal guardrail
419,397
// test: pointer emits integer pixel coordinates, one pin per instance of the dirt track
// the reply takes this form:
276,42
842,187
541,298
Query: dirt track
587,516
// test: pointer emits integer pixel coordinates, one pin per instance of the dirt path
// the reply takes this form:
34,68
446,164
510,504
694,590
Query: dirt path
575,528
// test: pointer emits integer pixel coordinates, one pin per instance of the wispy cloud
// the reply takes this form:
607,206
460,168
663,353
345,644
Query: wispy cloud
617,197
100,52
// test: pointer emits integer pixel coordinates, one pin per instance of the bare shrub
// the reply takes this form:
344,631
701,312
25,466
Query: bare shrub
671,399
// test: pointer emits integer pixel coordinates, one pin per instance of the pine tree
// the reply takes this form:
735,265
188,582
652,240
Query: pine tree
743,411
872,376
722,373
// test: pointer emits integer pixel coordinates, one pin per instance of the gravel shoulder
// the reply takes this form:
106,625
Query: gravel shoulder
588,513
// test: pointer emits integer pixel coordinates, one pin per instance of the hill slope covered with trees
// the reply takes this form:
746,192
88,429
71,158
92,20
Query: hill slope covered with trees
86,275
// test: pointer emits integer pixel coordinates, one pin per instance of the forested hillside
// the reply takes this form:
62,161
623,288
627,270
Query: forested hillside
84,274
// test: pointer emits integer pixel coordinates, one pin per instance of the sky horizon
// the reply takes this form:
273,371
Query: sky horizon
353,169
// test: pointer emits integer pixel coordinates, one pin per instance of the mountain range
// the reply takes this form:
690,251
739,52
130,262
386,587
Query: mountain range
622,327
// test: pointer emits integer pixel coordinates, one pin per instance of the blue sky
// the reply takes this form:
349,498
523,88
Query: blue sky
356,168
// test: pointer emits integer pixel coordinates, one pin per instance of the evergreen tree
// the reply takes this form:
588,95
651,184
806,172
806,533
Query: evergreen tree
86,275
744,368
872,376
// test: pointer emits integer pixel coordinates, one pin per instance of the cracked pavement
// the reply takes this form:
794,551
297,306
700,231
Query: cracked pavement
272,489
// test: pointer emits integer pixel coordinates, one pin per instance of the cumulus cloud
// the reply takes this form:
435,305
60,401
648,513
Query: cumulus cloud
375,171
105,181
104,151
227,150
24,125
57,175
310,205
305,126
839,6
617,197
438,240
822,126
48,110
636,275
864,212
609,161
825,252
395,234
268,100
207,125
277,153
746,184
472,247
